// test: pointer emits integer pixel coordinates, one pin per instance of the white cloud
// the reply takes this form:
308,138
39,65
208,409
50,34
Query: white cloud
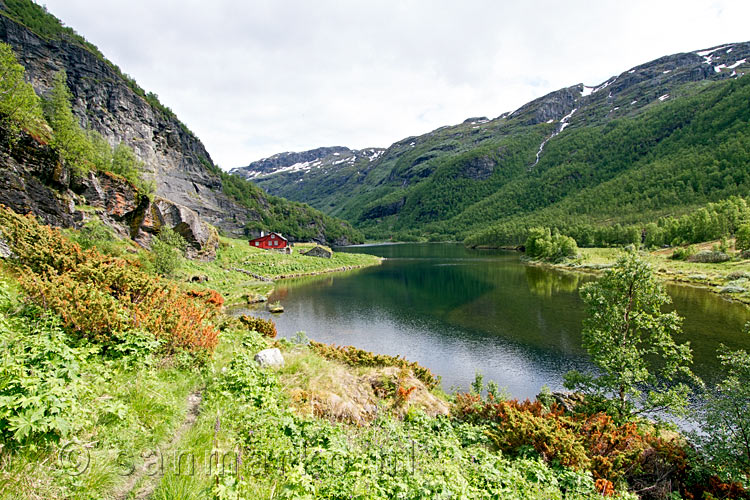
256,78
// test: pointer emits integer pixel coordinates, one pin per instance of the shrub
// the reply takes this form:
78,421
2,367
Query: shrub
95,234
167,251
260,325
553,438
544,245
742,237
100,297
590,442
211,297
682,253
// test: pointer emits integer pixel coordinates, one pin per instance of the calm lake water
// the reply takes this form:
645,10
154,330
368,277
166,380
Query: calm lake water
459,311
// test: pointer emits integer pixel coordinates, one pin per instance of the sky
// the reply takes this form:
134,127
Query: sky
254,78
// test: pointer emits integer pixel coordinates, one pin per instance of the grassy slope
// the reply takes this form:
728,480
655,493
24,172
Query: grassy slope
712,276
237,254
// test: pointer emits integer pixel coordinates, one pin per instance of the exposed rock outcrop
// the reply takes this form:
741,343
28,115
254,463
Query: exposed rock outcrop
34,180
103,101
5,251
202,238
479,168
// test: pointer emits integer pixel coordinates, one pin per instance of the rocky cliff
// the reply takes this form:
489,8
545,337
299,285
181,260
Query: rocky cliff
111,103
103,101
34,180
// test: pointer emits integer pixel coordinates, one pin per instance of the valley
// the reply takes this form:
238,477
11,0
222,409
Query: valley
547,304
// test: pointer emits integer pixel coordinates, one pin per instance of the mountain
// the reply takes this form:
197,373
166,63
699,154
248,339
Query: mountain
660,138
314,175
111,103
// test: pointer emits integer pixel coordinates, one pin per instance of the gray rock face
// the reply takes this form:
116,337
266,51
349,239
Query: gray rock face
479,168
270,358
27,181
33,180
202,238
173,156
4,250
552,106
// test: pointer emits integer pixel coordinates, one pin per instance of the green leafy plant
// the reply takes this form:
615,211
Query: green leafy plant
40,375
167,250
631,343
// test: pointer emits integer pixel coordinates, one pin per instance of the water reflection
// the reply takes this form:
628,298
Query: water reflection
458,311
547,282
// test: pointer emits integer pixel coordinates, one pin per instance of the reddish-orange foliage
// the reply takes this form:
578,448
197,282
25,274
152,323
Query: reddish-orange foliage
211,297
592,442
612,452
98,296
404,393
604,487
471,407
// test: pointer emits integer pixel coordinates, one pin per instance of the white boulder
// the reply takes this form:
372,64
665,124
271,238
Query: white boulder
270,357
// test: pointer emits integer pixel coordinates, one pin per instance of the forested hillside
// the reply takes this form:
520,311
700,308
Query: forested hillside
659,139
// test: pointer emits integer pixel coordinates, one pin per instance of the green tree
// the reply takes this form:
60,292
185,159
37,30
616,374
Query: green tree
725,419
69,138
20,107
543,244
742,236
631,343
101,151
126,164
167,251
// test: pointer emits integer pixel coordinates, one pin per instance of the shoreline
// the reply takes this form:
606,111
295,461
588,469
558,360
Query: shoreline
324,271
667,276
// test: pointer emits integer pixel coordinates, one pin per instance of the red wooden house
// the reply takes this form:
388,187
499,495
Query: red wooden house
271,241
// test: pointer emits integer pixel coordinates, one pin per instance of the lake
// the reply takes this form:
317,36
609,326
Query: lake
459,311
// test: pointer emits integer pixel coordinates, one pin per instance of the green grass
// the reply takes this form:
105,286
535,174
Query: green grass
712,276
237,254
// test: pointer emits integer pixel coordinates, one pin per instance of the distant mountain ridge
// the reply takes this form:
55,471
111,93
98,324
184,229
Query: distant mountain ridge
320,158
456,180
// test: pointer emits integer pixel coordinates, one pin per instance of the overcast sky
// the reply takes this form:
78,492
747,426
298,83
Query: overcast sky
254,78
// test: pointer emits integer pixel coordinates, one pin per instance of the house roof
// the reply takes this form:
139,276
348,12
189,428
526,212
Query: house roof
268,236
